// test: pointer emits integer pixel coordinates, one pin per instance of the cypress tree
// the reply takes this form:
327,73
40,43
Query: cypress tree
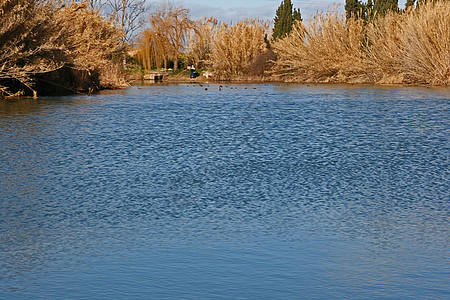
409,3
352,8
285,17
381,7
297,16
358,9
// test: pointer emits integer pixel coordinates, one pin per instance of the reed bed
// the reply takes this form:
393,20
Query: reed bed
235,47
328,49
412,48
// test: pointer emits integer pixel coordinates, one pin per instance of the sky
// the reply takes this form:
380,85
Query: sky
233,10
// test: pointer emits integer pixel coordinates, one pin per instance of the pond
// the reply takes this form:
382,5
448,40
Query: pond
231,191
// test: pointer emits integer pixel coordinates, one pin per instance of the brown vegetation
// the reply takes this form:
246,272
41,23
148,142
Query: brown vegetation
237,46
412,47
201,42
327,49
42,36
42,40
166,38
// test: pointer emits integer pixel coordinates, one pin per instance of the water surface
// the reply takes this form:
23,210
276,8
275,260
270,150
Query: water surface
254,191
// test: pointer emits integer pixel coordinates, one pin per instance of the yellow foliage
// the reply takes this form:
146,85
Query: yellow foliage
166,38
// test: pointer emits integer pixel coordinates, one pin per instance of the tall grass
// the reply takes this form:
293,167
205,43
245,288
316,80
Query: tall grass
327,49
412,47
236,46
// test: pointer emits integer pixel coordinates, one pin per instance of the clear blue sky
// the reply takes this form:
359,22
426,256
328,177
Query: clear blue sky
227,10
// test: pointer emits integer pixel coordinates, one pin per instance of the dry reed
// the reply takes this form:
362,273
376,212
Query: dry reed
328,49
236,46
412,47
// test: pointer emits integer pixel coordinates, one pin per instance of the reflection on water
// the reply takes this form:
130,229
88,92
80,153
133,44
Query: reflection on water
186,191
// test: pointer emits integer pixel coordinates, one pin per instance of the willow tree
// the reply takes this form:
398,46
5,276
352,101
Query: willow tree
169,26
201,40
153,49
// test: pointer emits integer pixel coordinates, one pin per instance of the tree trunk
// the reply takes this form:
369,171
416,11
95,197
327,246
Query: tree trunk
175,64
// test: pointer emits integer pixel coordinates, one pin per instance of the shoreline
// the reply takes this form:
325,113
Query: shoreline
170,79
243,80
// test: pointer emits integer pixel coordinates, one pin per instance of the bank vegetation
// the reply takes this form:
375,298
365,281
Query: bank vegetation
412,47
388,46
55,46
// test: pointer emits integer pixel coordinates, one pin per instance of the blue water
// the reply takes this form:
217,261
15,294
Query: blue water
254,191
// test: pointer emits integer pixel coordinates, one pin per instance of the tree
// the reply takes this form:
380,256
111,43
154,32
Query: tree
352,8
285,18
297,16
128,15
369,9
410,3
381,7
357,9
167,35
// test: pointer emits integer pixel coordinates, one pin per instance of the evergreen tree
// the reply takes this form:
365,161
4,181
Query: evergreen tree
409,3
285,18
368,10
352,8
297,16
358,9
381,7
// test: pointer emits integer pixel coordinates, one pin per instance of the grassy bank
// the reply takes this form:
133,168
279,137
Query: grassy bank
55,46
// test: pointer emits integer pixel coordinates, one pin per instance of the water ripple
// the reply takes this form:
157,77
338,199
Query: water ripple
324,190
